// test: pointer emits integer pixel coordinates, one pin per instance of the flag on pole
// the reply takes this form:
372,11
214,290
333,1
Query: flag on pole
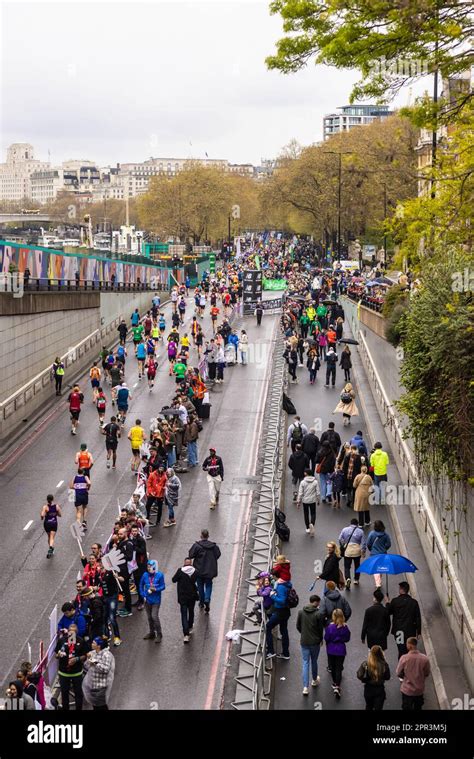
237,248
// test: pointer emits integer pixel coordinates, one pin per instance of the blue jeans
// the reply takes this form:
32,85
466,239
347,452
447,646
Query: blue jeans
310,654
192,453
204,587
111,604
170,509
378,492
274,621
325,485
243,356
171,456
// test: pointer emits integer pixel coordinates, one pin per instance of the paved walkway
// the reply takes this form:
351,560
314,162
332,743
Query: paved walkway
317,403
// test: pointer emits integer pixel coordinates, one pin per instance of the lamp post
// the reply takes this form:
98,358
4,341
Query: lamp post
339,153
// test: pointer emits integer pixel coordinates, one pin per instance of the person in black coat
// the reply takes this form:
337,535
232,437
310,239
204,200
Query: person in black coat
406,622
298,463
376,624
325,461
331,564
346,363
310,446
332,437
205,554
185,578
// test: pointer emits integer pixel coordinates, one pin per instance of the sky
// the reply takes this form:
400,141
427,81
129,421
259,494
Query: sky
121,82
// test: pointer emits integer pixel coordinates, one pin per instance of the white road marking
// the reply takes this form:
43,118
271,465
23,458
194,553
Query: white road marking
28,525
61,482
136,383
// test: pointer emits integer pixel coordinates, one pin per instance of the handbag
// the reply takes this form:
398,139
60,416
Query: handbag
343,546
318,467
342,580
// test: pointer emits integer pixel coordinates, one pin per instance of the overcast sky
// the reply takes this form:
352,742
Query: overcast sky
120,82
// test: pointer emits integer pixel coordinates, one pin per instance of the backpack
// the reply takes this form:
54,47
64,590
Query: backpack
346,397
292,599
282,530
297,433
288,405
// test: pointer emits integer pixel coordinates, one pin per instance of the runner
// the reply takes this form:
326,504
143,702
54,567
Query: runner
162,325
49,514
202,305
182,309
135,318
214,467
122,330
155,332
81,484
214,314
116,375
123,398
94,374
137,437
141,356
75,399
112,434
84,460
147,324
137,333
151,367
150,347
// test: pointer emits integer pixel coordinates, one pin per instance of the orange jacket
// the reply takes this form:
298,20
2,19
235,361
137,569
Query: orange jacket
156,483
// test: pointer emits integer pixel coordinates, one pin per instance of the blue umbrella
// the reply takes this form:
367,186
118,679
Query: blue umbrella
387,564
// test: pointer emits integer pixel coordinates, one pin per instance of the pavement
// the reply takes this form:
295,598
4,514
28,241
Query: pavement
315,404
147,676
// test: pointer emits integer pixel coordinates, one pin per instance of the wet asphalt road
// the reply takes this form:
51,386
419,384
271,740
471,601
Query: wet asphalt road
170,675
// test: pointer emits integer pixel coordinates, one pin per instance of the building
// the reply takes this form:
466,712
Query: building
453,87
15,174
351,116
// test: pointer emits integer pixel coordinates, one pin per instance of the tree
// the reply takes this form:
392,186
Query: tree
391,42
305,189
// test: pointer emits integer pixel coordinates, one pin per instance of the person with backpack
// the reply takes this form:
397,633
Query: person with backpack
331,366
325,463
296,433
279,618
308,495
310,446
378,542
352,545
309,624
298,463
347,405
337,634
185,578
359,441
373,673
332,437
333,599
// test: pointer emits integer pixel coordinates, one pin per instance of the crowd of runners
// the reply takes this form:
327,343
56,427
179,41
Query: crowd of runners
324,470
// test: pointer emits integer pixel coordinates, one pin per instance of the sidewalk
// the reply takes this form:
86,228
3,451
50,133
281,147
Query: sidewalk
317,403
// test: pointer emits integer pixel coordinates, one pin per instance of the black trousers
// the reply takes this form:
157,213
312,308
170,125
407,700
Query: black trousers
212,371
374,697
154,501
331,375
336,663
347,566
58,380
127,596
412,703
65,684
347,375
187,616
309,510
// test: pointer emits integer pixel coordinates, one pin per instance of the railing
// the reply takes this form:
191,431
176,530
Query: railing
41,284
423,511
254,678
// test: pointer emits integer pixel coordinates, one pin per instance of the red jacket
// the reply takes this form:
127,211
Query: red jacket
155,485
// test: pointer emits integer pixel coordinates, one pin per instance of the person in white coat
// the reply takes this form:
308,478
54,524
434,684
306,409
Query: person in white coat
308,495
243,347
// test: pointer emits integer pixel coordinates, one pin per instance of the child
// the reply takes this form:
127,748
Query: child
264,588
337,480
281,569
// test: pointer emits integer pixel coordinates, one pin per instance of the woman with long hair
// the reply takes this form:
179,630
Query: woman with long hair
346,363
337,634
373,673
347,405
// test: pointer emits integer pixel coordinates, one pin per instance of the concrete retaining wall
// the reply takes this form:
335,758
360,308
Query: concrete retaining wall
444,527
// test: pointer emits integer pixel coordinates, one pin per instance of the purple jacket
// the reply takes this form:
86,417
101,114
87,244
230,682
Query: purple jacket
336,639
265,594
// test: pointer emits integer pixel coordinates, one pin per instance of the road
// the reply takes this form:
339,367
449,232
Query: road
172,675
316,404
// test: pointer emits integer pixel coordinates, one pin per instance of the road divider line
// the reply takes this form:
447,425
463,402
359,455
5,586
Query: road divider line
28,525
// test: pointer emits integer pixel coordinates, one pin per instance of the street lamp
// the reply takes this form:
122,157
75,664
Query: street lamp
339,153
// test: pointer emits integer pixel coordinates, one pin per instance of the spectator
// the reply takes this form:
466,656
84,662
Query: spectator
373,673
406,617
414,668
337,634
376,624
309,624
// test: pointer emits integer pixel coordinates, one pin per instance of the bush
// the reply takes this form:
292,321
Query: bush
395,295
394,324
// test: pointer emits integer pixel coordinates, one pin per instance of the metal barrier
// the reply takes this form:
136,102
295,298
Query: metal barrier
42,284
422,511
254,679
